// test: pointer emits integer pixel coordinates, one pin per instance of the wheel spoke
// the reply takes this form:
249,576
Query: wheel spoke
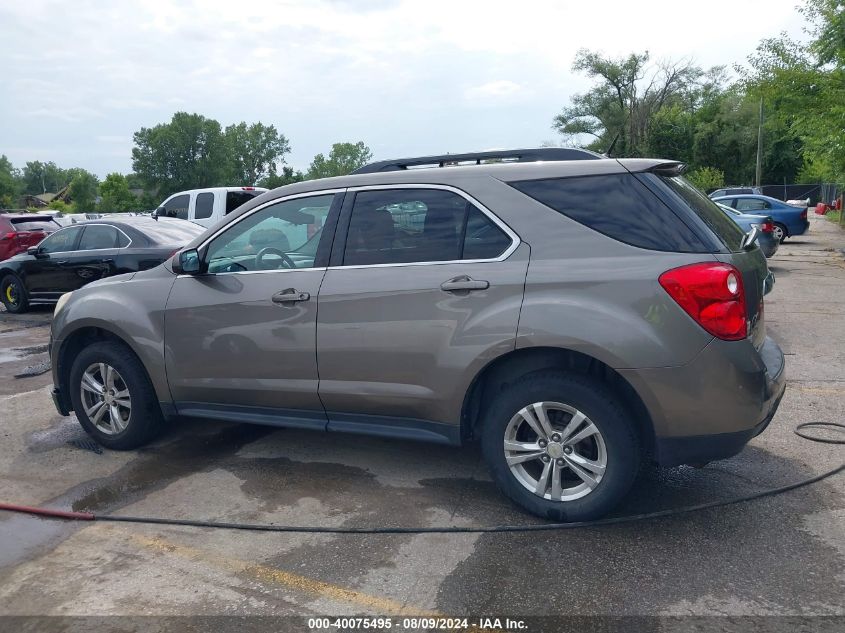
126,403
89,383
108,376
587,464
586,477
573,425
115,419
519,458
123,393
537,419
100,412
557,493
521,447
586,432
543,481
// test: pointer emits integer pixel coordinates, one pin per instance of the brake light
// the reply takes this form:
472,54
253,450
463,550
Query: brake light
248,188
767,227
712,294
9,236
804,214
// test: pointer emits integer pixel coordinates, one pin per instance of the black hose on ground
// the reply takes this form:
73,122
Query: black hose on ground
800,430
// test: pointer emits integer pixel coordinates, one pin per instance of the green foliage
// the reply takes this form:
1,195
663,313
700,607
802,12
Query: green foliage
41,177
287,177
187,153
115,195
83,191
9,184
60,205
254,152
707,178
343,159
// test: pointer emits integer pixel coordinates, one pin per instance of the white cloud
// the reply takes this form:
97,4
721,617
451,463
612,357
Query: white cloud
494,91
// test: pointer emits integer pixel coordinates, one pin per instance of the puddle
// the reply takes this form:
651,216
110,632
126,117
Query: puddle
67,430
16,353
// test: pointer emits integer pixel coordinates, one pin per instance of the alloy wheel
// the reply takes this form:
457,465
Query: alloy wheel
106,398
555,451
778,233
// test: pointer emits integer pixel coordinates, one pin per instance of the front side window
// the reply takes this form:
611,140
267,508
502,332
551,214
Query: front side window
419,225
97,237
276,237
177,207
204,206
61,241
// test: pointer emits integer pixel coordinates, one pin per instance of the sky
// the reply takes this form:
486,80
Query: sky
408,78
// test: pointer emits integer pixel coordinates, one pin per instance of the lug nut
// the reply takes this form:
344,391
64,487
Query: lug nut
560,462
567,450
555,438
543,443
545,458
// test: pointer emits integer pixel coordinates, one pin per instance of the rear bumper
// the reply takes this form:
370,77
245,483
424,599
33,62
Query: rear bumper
710,408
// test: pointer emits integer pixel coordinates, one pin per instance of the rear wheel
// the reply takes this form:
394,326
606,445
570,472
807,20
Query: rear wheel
112,396
561,446
779,232
13,294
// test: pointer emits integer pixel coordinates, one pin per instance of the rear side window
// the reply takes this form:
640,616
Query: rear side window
234,199
419,225
204,206
751,204
177,207
618,206
98,236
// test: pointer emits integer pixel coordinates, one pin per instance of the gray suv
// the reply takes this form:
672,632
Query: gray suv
577,315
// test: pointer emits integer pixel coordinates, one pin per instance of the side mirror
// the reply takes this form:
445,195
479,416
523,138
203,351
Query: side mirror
32,250
158,213
750,237
187,262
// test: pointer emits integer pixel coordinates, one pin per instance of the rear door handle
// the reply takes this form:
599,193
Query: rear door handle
107,260
464,282
290,295
61,262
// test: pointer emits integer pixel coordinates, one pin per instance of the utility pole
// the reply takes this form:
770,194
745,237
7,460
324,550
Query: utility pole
759,176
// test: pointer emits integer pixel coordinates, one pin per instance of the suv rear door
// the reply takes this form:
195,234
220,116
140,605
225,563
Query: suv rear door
423,289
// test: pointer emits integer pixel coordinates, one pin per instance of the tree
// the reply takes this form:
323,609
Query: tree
254,151
628,94
115,195
187,153
83,191
287,177
9,183
41,177
706,178
343,159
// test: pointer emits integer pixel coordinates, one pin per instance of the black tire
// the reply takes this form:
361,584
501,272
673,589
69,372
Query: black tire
144,421
601,406
13,294
785,232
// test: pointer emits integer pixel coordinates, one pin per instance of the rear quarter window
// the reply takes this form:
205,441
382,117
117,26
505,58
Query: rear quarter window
234,199
618,206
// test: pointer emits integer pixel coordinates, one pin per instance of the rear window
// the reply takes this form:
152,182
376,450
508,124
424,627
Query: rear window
709,212
619,206
169,232
27,224
234,199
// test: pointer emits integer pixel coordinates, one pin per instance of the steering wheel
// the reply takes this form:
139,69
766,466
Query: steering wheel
270,250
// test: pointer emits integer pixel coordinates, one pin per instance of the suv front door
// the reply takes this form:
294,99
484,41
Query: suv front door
424,287
241,336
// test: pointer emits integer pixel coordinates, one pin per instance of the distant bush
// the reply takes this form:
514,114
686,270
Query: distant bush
707,178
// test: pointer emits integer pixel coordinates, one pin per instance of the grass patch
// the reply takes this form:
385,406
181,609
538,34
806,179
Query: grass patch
833,216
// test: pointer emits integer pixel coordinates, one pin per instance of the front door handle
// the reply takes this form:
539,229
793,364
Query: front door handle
62,262
290,295
465,283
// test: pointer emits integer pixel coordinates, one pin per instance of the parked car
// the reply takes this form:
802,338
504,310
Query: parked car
789,221
206,206
21,230
765,225
735,191
79,254
512,304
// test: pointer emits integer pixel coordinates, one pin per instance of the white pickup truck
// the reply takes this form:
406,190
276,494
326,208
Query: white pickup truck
206,206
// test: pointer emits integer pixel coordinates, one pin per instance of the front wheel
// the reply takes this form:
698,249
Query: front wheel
561,446
112,396
13,294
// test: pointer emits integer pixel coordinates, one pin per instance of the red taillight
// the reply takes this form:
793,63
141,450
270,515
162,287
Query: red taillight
767,227
804,214
712,294
9,236
248,188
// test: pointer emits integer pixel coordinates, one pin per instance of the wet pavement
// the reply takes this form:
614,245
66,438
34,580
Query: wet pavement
782,555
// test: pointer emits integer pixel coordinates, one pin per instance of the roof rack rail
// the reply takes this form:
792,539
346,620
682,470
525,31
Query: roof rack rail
514,155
